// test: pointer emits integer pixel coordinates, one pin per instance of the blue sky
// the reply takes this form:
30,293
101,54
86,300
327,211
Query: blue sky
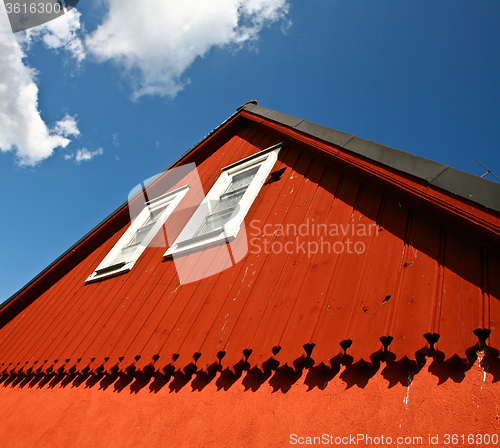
119,92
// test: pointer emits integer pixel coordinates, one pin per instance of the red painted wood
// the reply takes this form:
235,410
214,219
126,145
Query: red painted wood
461,308
278,259
356,205
438,279
312,291
176,307
494,299
98,236
18,336
221,293
86,313
232,314
215,293
150,264
69,335
232,289
379,283
204,169
100,347
414,316
195,316
298,266
154,291
52,316
480,220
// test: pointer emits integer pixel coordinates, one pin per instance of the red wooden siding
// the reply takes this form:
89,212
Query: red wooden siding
418,276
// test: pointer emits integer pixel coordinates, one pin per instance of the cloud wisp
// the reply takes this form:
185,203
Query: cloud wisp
84,155
62,33
154,46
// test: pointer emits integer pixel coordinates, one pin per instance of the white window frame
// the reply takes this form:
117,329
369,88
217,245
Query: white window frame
169,201
187,241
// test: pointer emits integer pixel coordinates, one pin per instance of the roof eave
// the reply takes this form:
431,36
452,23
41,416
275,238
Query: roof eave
472,188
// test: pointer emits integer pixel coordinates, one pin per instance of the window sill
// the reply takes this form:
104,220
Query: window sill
201,242
110,271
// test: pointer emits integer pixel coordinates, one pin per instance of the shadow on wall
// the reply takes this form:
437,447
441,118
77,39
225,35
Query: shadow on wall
279,378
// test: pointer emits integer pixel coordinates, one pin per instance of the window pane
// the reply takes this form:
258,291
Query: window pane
215,222
154,215
140,234
125,254
243,179
228,201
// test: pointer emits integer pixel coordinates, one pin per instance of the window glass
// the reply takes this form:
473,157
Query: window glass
228,201
128,250
220,216
136,238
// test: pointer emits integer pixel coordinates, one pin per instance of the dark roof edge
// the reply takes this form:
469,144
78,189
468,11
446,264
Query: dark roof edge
468,186
117,210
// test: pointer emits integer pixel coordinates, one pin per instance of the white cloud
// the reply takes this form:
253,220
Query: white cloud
22,130
84,155
67,126
155,45
62,33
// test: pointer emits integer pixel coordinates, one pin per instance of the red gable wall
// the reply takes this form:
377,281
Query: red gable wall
418,277
71,358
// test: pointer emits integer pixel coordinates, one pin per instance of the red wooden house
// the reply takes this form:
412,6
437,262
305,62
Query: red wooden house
282,283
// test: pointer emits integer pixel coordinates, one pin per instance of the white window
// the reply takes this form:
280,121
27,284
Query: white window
220,215
140,233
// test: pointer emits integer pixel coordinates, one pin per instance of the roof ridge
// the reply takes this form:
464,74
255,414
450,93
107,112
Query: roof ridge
473,188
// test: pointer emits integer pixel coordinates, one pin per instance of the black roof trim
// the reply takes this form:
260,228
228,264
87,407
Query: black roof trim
474,188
